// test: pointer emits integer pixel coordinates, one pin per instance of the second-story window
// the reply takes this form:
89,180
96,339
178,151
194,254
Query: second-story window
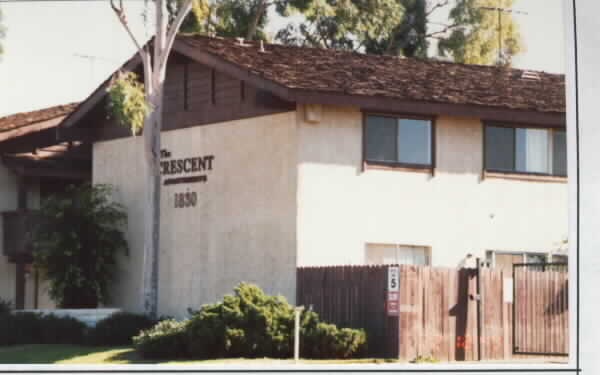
398,141
525,150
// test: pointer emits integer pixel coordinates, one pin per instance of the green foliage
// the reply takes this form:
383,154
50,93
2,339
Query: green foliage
425,359
477,41
127,101
196,20
167,339
234,18
75,244
119,329
407,28
323,340
62,330
347,24
33,328
248,324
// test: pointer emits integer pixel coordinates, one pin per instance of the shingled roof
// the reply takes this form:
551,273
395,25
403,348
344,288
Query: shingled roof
411,79
23,119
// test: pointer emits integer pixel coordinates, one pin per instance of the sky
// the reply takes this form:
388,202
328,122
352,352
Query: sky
58,52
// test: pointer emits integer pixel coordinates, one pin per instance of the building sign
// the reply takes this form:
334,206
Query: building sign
393,295
184,171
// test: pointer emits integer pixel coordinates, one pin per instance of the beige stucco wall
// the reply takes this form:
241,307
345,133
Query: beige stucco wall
455,212
242,227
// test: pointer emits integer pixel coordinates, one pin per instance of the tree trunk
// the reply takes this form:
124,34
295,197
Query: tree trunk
261,8
152,127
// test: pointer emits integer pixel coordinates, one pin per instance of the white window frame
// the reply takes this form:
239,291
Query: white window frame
398,246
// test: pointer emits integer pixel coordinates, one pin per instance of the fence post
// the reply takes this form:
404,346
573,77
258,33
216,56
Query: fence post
297,312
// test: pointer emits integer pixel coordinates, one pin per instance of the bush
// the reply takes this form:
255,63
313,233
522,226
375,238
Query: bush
33,328
248,324
323,340
62,330
167,339
75,241
119,329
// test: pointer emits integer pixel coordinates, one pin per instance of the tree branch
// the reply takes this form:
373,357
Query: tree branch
121,16
443,31
437,6
172,33
144,53
261,8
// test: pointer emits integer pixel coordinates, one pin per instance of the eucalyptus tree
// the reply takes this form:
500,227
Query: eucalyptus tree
464,30
240,18
146,113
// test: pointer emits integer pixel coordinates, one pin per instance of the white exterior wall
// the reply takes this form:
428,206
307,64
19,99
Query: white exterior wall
242,228
455,212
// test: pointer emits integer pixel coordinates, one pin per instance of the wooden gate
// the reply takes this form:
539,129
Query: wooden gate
540,311
442,312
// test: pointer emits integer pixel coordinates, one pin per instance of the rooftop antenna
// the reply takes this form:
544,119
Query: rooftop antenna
92,60
500,11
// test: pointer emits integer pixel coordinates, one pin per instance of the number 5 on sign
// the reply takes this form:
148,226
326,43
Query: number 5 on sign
393,300
393,273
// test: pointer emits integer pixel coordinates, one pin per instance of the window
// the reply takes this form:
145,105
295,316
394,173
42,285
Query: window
525,150
394,140
396,254
504,259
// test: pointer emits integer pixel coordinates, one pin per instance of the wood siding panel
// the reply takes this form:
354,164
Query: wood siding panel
189,103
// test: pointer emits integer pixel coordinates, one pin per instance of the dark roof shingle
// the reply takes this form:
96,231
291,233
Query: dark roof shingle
19,120
410,79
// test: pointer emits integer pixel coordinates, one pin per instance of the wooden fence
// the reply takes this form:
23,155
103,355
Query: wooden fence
438,310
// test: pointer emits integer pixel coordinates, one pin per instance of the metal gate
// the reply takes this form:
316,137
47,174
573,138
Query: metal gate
540,309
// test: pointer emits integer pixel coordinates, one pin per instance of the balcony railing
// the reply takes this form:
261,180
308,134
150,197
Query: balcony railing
16,227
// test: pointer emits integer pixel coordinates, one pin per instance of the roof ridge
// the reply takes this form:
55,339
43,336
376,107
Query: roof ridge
432,60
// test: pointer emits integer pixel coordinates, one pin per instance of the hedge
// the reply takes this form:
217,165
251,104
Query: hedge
20,328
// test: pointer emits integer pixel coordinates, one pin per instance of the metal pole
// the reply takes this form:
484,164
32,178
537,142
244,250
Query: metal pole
478,309
297,312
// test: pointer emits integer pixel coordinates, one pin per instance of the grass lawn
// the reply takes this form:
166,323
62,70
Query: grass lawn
74,354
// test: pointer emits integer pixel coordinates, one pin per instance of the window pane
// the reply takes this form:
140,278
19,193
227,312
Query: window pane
559,153
533,150
414,141
381,138
499,148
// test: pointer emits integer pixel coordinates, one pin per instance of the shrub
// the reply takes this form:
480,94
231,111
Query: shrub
252,324
33,328
249,324
167,339
75,243
119,329
20,328
62,330
323,340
